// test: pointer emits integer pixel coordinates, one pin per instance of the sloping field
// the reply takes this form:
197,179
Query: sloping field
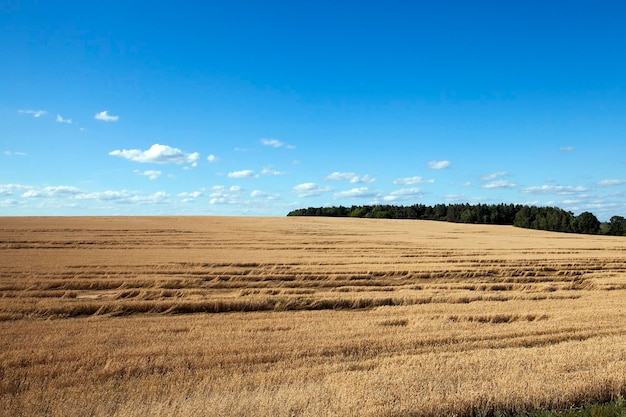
305,316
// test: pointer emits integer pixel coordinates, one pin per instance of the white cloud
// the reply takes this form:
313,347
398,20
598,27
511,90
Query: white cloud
501,184
413,181
566,149
275,143
10,202
10,189
609,183
270,171
106,117
438,164
555,189
462,198
245,173
266,196
310,189
11,153
212,158
62,120
404,194
158,154
63,191
225,195
35,113
350,176
493,176
190,196
152,174
361,192
68,195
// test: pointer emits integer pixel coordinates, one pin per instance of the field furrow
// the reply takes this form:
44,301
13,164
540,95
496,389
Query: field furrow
305,316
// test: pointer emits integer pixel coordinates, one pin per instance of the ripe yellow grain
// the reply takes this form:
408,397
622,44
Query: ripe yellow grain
304,316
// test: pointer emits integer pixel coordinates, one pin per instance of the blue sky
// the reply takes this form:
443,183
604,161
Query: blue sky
258,108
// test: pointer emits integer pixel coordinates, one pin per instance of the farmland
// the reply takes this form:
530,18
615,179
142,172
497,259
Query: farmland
124,316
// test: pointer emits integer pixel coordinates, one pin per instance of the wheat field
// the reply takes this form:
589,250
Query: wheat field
296,316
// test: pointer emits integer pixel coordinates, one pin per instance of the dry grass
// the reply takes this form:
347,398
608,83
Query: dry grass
118,317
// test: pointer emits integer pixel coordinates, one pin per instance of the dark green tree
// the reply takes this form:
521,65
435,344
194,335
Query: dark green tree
617,226
586,223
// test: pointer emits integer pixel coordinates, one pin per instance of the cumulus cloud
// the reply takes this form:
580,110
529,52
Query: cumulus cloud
245,173
35,113
310,189
555,189
438,164
212,158
152,174
610,183
225,195
404,194
62,120
413,181
501,184
349,176
158,154
361,192
275,143
106,117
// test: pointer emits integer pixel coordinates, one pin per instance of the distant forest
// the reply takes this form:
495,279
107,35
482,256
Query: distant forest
530,217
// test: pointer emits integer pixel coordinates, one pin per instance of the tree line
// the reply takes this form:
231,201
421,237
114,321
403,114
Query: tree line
530,217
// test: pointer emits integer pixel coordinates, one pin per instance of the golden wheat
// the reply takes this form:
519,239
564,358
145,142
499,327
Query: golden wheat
304,316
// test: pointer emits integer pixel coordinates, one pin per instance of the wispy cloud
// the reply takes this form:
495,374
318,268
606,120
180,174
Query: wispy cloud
439,164
555,189
271,172
404,194
310,189
35,113
361,192
501,184
275,143
610,183
264,195
11,189
461,198
188,197
413,181
70,196
212,158
62,120
351,177
493,176
152,174
106,117
245,173
158,154
566,149
53,192
16,153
